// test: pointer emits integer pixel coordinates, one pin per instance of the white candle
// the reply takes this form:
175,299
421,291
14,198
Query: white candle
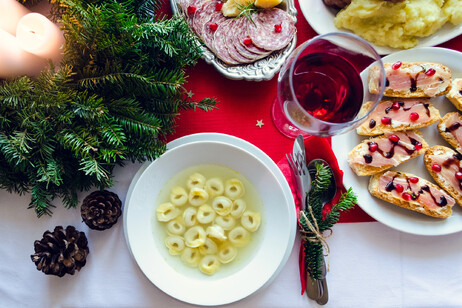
38,35
14,61
10,14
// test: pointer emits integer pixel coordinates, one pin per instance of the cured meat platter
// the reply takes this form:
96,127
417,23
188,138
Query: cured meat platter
252,48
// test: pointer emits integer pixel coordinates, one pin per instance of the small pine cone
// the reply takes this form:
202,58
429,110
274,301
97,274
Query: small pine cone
61,252
101,209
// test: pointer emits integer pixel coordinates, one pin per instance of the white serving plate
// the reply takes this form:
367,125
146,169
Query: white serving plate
321,19
189,285
387,213
263,69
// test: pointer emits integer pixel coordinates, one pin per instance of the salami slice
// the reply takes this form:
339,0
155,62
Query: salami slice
219,43
195,4
208,33
237,35
230,45
273,31
243,34
204,10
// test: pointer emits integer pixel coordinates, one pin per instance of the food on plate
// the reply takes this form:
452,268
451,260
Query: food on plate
233,8
411,192
240,40
389,150
450,128
400,24
399,114
266,4
445,166
340,4
209,216
412,79
455,94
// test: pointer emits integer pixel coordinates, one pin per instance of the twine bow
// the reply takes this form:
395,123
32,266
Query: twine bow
314,235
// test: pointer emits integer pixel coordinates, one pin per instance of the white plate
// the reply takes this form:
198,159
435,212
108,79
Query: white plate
196,288
391,215
321,19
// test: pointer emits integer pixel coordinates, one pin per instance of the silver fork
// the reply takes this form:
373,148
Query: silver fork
297,162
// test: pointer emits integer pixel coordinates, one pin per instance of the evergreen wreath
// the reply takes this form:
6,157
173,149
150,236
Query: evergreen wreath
114,97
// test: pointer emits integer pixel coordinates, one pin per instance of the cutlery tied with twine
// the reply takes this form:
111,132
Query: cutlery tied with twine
314,224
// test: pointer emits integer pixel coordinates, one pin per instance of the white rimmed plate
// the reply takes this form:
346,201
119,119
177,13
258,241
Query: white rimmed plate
321,19
387,213
198,288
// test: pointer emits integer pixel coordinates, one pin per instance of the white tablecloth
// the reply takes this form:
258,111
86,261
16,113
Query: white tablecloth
371,265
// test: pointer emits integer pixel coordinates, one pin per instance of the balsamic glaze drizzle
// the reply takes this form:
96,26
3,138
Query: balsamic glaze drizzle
368,158
453,127
401,104
390,186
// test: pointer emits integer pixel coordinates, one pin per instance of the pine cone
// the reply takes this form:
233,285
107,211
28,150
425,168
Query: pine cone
61,252
101,209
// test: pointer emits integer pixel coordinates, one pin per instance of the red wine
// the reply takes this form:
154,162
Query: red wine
328,87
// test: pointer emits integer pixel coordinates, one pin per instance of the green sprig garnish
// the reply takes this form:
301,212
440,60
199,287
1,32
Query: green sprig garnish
246,10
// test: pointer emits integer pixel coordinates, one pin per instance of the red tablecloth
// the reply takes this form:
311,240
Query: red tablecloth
242,103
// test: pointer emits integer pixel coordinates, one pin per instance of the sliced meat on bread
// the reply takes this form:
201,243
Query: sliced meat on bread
455,94
445,166
411,192
450,128
394,115
389,150
412,79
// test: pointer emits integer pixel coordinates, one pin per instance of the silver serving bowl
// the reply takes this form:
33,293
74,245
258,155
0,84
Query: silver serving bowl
263,69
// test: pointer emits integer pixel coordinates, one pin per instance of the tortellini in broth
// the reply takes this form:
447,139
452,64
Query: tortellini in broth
207,220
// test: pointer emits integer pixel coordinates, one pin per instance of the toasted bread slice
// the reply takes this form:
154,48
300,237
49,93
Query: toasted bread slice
443,164
411,192
383,152
450,128
395,115
412,79
455,94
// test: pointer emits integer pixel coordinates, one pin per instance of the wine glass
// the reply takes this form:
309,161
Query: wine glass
323,87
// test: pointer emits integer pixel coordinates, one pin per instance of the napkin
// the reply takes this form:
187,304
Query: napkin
315,147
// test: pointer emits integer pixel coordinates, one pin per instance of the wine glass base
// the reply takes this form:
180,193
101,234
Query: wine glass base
283,125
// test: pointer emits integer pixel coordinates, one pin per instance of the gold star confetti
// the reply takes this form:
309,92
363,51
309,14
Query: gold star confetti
260,123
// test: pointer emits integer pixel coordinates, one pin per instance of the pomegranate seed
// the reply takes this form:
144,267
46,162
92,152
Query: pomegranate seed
396,65
373,146
459,175
414,179
218,6
430,72
191,9
414,116
277,28
399,188
393,138
213,26
395,106
418,146
406,196
247,41
386,120
436,168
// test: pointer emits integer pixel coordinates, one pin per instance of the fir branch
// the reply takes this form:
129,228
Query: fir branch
114,97
346,202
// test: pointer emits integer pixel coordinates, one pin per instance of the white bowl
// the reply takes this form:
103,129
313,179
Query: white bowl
234,281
